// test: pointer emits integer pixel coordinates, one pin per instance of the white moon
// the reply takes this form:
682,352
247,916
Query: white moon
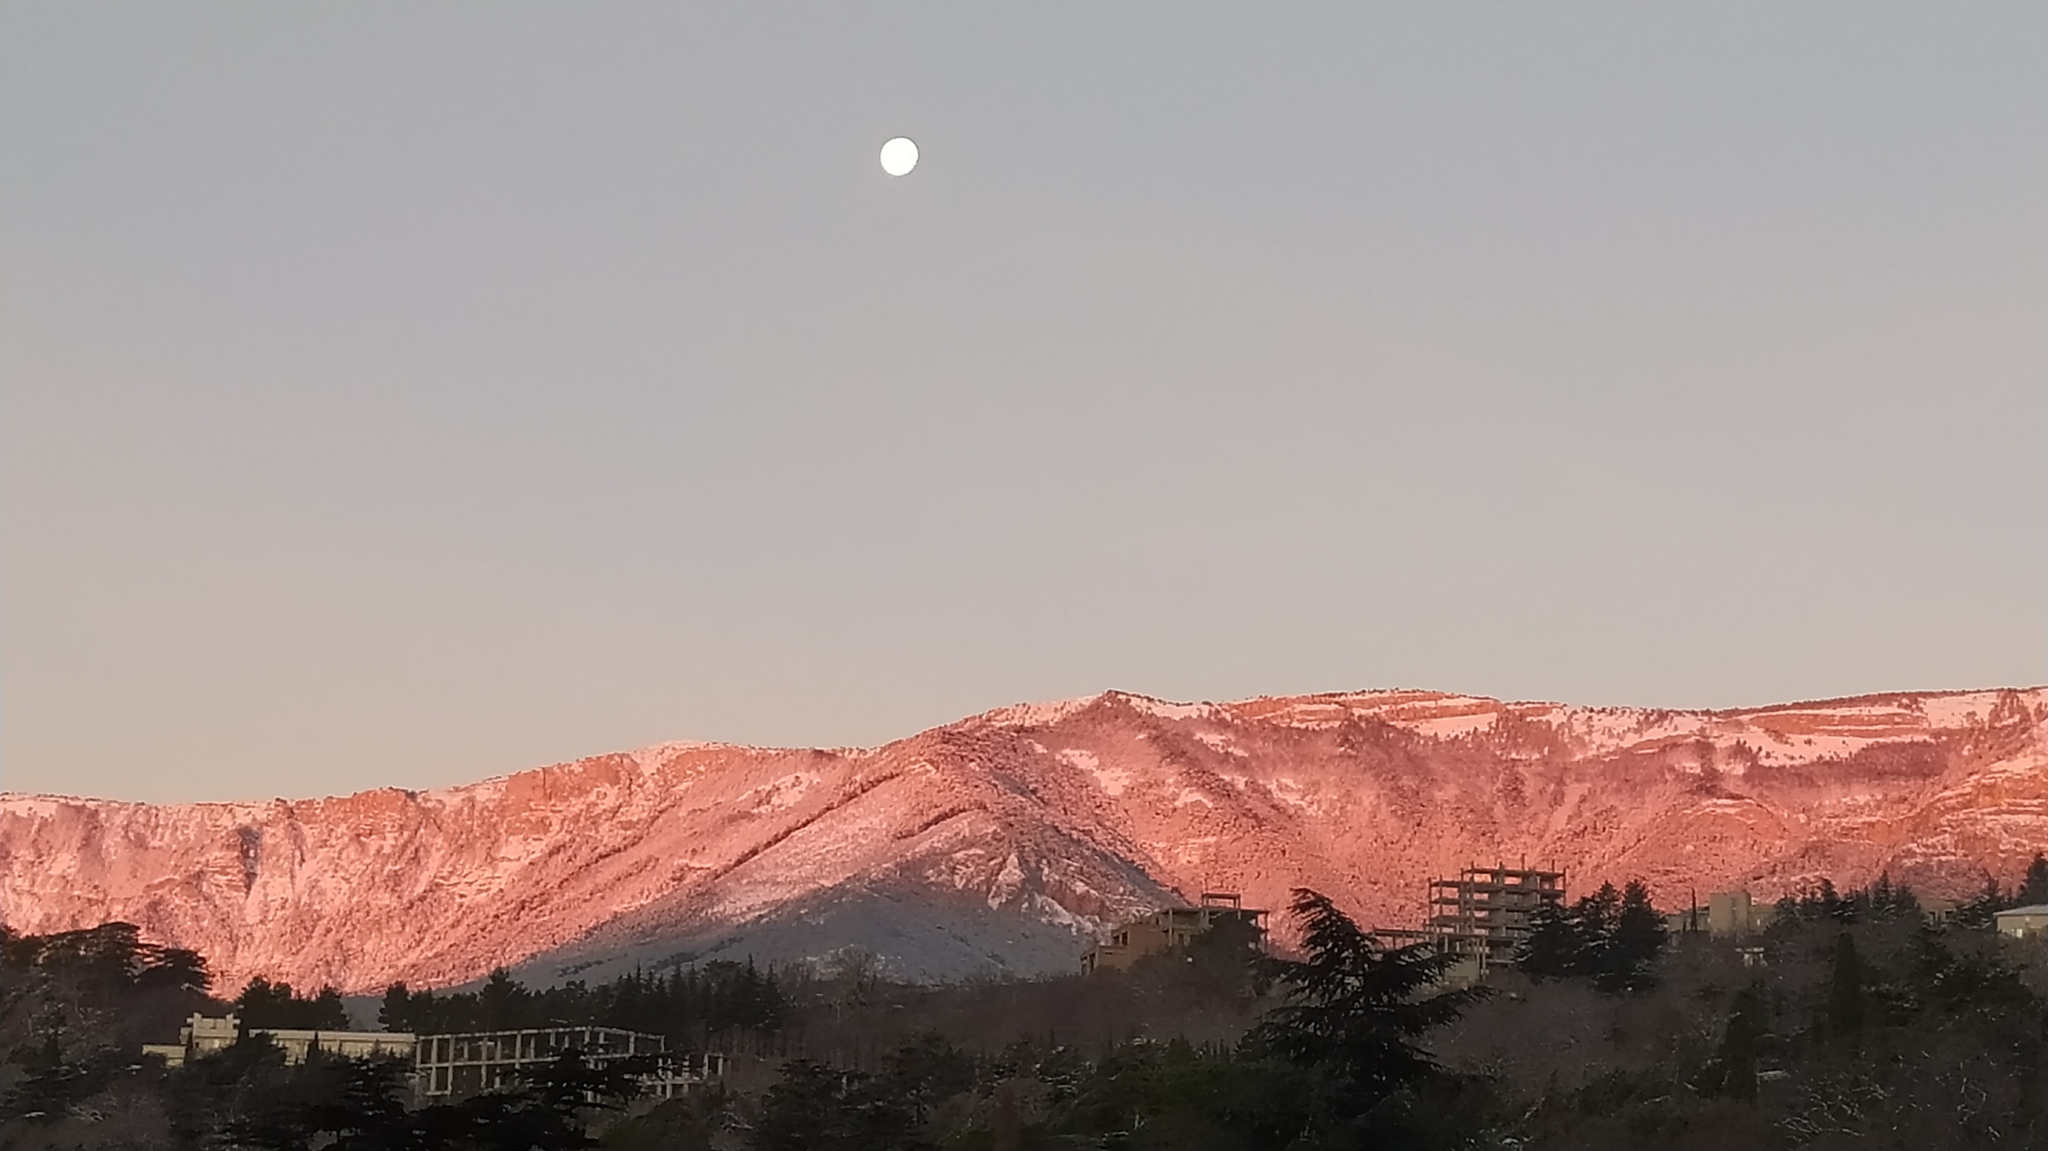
899,156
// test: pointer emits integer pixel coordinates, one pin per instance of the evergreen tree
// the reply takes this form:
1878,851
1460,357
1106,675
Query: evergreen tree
502,1002
1847,990
2034,888
1732,1072
264,1004
1354,1009
1981,911
1594,918
395,1013
1552,948
1637,939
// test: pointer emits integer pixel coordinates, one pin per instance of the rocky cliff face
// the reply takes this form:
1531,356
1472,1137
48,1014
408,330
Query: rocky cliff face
1008,840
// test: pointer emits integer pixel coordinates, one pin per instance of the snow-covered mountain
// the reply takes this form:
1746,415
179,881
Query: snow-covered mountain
1008,840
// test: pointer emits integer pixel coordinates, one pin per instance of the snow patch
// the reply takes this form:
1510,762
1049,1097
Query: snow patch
781,793
1009,881
1451,726
1112,780
1162,709
1036,714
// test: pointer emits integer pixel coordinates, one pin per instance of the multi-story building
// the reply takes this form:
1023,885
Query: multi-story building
1169,928
1484,913
459,1065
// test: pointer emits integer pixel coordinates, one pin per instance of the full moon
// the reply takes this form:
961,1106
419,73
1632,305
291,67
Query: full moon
899,156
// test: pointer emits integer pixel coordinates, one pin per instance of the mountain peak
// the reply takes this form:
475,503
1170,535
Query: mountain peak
1008,840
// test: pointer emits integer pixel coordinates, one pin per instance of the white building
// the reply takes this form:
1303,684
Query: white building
204,1035
2024,922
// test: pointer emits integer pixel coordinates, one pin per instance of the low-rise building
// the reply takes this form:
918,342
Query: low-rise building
459,1065
1169,928
2024,922
454,1066
1938,911
1736,914
204,1035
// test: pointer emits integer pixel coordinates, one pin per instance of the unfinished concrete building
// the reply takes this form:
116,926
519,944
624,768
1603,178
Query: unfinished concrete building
1484,913
459,1065
1169,928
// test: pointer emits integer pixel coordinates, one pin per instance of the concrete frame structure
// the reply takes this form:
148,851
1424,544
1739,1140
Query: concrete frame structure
458,1065
1169,928
1484,913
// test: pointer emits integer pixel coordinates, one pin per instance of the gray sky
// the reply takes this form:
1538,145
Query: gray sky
402,394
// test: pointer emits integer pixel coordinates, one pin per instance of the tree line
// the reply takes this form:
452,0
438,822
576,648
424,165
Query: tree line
686,1004
1863,1023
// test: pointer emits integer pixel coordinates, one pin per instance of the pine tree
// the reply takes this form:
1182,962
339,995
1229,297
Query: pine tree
1847,994
1552,948
2034,888
1355,1009
1637,939
1594,919
501,1002
1981,911
395,1014
1732,1072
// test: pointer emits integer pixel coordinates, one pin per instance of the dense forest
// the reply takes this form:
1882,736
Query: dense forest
1852,1021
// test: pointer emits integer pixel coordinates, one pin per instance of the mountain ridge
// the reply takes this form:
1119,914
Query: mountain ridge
1005,841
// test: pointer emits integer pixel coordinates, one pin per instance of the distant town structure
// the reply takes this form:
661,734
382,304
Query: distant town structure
2029,922
455,1066
459,1065
204,1035
1169,928
1937,910
1726,915
1483,915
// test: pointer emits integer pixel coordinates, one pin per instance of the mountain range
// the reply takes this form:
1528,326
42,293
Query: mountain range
1007,842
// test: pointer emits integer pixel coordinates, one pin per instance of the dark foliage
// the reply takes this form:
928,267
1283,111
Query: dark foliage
1732,1071
1612,937
691,1004
1351,1017
109,960
360,1105
1848,991
2034,887
1881,902
1851,1023
276,1006
819,1108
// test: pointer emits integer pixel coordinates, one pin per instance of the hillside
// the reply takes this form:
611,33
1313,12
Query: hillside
1005,841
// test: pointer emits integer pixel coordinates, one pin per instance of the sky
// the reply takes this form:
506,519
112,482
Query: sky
399,395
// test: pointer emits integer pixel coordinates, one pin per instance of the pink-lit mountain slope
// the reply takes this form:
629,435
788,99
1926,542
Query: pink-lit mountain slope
1006,841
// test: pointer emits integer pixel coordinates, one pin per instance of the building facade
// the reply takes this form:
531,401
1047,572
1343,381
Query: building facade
1484,913
205,1035
1169,928
455,1066
2024,922
459,1065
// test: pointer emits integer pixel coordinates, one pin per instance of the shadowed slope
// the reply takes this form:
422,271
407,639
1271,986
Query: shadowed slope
1007,840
